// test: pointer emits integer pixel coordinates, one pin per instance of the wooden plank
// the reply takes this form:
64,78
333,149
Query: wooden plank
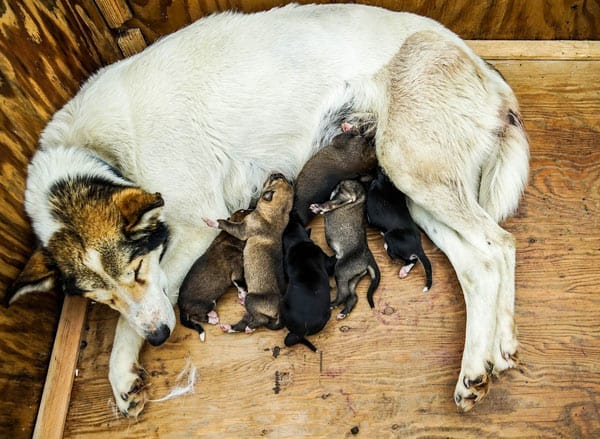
47,49
131,42
54,405
485,20
391,371
537,50
116,12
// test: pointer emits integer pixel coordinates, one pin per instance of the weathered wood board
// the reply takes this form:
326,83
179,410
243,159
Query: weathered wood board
391,371
47,49
504,19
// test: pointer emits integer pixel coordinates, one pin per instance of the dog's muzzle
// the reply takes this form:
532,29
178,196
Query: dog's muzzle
159,336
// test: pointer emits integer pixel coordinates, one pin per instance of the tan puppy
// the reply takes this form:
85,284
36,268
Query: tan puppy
209,278
263,257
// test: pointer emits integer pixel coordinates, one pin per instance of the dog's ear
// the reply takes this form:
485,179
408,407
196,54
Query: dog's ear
38,276
268,195
142,211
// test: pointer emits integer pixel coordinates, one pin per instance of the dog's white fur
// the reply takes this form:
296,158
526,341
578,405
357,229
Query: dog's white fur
205,114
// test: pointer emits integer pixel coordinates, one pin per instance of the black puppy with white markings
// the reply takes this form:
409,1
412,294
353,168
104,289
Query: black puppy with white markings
388,212
345,231
305,308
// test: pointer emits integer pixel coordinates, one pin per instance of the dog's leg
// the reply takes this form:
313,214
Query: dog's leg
125,374
479,275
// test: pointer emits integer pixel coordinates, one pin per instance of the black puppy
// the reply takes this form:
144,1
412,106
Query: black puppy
387,211
305,306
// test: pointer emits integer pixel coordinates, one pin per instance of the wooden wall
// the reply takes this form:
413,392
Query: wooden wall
500,19
48,47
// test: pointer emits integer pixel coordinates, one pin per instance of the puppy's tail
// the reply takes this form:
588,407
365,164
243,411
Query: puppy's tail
427,266
292,339
505,174
373,270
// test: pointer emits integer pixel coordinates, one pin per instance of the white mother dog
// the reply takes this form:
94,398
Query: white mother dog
191,127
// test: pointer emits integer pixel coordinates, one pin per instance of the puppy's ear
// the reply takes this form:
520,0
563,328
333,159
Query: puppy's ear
38,276
142,211
268,195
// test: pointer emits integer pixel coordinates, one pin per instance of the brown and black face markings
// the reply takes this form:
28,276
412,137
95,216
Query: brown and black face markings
107,248
263,256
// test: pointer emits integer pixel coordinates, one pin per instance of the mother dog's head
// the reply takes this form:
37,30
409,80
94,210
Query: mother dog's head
100,236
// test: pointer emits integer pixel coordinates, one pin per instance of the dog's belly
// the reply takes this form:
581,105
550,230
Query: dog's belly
205,114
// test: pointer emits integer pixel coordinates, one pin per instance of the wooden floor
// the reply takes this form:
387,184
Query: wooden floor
391,372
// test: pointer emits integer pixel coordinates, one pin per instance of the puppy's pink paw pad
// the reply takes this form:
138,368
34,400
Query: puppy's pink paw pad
213,318
249,330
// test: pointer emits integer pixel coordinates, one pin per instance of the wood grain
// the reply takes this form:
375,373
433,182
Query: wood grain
50,421
47,49
497,20
391,371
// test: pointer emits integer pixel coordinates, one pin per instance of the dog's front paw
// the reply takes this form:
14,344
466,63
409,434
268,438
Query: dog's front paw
130,393
506,356
471,390
211,223
316,209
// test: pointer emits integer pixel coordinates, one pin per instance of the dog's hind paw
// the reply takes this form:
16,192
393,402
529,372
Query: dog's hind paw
470,391
227,328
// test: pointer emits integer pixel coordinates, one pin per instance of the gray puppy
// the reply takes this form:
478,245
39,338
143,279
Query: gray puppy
209,278
350,154
345,231
263,254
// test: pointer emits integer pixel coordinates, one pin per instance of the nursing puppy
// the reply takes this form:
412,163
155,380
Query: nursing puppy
350,154
210,277
147,148
387,211
305,308
345,231
263,259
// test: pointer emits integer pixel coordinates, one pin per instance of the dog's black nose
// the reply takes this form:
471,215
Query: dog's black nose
159,336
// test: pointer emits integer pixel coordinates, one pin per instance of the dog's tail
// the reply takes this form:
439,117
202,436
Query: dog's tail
427,266
293,339
373,270
505,175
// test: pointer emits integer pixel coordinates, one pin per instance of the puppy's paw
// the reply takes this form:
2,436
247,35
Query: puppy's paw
316,209
405,270
249,330
213,318
472,388
130,394
211,223
227,328
346,127
242,297
341,316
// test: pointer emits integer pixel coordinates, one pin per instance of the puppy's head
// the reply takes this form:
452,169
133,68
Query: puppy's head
347,192
105,242
400,245
276,197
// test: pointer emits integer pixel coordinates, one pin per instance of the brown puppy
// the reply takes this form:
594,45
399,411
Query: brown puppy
210,276
350,154
345,231
263,255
